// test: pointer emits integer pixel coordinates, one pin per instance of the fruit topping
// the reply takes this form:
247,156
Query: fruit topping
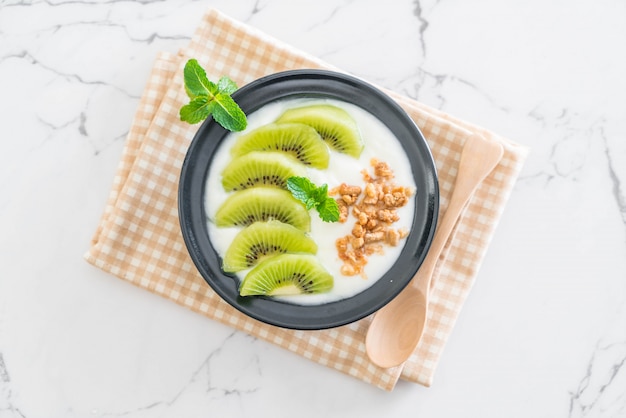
264,239
247,206
299,140
271,168
333,124
287,274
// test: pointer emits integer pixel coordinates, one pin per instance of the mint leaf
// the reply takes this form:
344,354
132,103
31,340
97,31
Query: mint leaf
208,98
300,188
321,193
196,111
328,210
228,114
310,203
314,197
226,85
196,81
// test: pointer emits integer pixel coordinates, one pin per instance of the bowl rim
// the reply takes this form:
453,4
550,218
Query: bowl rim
314,83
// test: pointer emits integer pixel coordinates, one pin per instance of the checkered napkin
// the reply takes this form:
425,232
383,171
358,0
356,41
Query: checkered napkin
139,238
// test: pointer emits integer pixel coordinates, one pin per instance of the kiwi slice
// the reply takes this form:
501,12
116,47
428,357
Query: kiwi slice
333,124
271,168
260,203
287,274
263,239
300,140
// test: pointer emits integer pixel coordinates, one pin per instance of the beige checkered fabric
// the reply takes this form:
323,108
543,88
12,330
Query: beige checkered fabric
139,238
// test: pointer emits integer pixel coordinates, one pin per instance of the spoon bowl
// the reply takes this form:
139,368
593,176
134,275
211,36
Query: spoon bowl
398,327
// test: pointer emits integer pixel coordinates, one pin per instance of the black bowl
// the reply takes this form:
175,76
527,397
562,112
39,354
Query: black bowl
315,84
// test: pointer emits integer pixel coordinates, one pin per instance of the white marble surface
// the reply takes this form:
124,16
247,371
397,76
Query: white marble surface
543,333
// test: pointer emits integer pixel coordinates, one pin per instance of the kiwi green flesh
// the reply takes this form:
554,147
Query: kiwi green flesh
287,274
260,203
262,239
299,140
255,168
333,124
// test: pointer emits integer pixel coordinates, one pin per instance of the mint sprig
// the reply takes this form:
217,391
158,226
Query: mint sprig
314,197
208,98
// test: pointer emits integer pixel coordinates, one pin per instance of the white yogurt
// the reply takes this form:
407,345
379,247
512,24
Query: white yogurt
380,143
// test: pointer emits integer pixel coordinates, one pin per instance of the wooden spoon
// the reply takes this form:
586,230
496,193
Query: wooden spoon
397,327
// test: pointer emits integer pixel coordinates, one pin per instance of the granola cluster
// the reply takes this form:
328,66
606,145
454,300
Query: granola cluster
374,209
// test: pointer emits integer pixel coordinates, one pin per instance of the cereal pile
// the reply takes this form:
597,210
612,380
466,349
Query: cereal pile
374,208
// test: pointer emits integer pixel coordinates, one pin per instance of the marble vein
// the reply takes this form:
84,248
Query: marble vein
80,120
31,59
427,83
620,199
6,400
86,3
201,382
329,16
149,39
423,23
597,392
4,374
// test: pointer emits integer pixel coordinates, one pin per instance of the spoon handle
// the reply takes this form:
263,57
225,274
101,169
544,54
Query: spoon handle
478,159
